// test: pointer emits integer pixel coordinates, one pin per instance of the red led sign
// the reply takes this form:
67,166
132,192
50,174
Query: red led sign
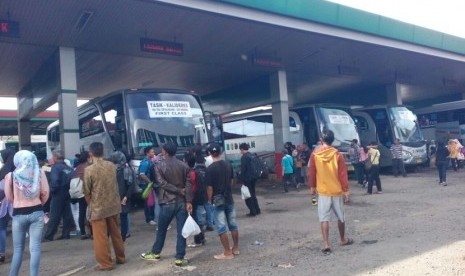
267,61
9,28
161,47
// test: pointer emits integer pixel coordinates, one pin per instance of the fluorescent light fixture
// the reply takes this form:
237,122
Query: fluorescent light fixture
258,108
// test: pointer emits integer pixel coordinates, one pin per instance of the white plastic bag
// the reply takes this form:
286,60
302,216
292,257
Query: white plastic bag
245,192
190,228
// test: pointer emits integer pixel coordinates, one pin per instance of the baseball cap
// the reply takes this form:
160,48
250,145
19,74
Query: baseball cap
214,148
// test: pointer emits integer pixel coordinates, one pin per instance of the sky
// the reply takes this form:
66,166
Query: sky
445,16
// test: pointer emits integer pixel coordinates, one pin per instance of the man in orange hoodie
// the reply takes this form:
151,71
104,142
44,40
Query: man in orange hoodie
328,177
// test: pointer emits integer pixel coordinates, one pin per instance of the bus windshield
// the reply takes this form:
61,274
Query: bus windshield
341,123
404,124
158,117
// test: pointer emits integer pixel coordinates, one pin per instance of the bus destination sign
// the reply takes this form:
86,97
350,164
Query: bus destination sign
9,28
161,47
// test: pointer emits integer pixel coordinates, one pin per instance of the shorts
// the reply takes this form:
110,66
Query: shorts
330,206
225,218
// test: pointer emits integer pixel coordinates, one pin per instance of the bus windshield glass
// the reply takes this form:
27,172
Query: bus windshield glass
404,124
341,123
158,117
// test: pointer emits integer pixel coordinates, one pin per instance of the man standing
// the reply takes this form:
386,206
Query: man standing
219,180
101,192
60,199
145,177
328,177
249,180
397,161
175,199
354,154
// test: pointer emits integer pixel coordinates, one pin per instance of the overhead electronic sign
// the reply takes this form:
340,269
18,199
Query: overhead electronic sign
267,61
161,47
9,28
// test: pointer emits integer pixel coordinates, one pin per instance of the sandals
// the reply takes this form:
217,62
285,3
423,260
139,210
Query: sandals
224,257
349,241
326,251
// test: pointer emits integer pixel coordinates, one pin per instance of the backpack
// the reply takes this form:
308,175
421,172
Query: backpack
75,188
201,180
258,167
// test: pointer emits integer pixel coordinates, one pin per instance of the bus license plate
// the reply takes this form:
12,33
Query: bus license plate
419,161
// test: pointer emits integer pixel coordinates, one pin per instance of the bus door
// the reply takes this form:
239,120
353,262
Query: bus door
370,131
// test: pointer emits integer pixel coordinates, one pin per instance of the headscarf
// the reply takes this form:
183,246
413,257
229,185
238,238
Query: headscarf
27,173
119,159
8,165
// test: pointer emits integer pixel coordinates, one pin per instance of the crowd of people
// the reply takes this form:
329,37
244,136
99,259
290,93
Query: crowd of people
38,198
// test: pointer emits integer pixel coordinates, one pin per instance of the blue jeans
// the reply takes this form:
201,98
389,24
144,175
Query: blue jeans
34,224
225,218
167,213
3,226
208,214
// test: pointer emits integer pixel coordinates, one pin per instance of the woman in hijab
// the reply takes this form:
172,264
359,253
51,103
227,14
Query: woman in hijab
82,159
6,209
126,181
27,188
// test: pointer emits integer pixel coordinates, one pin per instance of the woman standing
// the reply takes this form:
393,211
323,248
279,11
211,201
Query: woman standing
6,209
442,162
79,172
126,180
373,154
27,188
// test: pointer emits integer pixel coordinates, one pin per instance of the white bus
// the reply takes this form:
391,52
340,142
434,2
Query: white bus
305,125
443,121
382,124
132,119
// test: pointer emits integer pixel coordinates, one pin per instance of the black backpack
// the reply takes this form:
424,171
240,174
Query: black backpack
258,167
200,174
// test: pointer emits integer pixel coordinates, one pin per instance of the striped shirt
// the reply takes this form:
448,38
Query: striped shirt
396,151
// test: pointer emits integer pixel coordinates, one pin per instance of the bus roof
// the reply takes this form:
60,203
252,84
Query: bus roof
441,107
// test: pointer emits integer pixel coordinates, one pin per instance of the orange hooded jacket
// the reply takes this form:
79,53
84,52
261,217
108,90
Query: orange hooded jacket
328,172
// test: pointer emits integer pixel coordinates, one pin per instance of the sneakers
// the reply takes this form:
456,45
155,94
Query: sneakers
181,262
443,183
149,256
169,227
152,222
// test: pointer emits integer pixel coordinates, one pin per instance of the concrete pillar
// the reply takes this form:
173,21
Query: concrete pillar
280,111
67,102
24,134
393,93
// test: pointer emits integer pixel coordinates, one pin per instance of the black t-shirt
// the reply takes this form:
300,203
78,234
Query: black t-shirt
218,176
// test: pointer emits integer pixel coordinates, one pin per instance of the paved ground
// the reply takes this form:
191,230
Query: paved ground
415,228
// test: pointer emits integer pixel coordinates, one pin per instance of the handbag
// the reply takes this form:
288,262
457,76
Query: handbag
369,162
245,193
147,190
190,228
218,200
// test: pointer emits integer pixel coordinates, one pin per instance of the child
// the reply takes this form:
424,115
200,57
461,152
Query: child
288,164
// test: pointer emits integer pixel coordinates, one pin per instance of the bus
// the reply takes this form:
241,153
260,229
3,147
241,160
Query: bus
384,123
306,124
130,120
443,121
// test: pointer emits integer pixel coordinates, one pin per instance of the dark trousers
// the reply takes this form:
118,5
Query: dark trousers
374,177
124,221
199,238
442,170
59,209
455,164
359,171
252,202
82,214
398,166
